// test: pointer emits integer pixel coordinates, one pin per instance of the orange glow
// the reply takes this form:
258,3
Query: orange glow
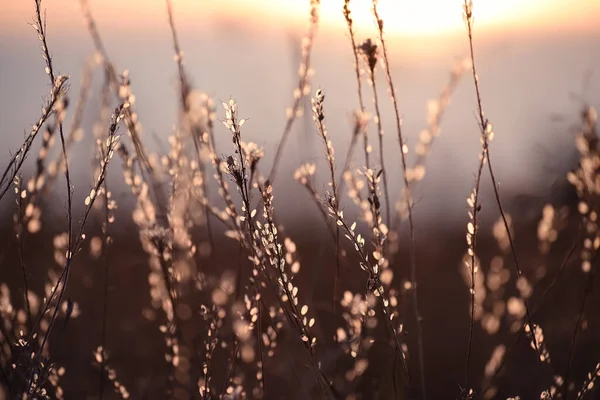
402,17
431,17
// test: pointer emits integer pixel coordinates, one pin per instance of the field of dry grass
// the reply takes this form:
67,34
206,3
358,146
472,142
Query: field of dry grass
188,285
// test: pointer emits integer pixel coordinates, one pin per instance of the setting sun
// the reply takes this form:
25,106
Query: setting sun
415,18
431,17
408,17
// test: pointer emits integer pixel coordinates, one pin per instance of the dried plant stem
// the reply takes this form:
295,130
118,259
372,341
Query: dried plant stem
41,28
350,24
105,258
195,131
376,287
585,181
543,297
303,88
588,386
60,285
74,132
262,241
348,160
67,270
130,118
380,232
241,179
411,226
293,314
105,262
431,132
17,160
472,235
20,236
380,137
234,322
259,344
319,203
587,291
319,117
485,133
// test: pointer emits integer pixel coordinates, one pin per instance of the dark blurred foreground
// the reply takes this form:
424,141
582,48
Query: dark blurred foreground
137,347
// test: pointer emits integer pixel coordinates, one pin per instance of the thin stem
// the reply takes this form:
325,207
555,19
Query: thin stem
349,154
428,136
303,84
485,132
378,290
318,201
41,25
380,137
319,117
543,297
588,385
105,261
63,278
293,315
21,229
472,242
411,226
259,344
17,160
355,52
146,168
195,130
588,290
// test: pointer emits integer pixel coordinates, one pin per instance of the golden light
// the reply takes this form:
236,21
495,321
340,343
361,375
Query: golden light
432,17
402,17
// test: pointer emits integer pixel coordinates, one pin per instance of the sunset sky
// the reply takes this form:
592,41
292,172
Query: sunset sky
532,55
422,17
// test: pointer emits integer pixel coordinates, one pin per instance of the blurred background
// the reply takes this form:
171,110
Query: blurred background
532,57
537,62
